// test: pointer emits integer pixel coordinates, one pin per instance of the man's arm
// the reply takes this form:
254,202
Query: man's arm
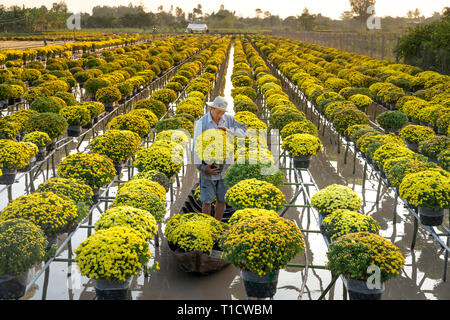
197,131
237,129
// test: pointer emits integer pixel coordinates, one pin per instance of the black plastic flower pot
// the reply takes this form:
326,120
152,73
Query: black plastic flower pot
12,287
3,104
358,290
40,156
89,125
112,295
112,290
259,286
413,146
302,162
74,131
8,177
109,107
118,166
51,146
431,217
375,166
363,296
95,196
394,131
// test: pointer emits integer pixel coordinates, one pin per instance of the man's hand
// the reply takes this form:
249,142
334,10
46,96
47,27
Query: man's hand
211,171
223,128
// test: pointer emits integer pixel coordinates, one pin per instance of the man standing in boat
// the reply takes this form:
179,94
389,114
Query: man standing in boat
211,178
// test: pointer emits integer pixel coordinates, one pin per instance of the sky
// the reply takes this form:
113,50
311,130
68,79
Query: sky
283,8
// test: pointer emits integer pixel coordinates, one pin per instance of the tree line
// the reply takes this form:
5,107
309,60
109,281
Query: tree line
21,19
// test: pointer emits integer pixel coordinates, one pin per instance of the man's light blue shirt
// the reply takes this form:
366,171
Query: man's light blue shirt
235,128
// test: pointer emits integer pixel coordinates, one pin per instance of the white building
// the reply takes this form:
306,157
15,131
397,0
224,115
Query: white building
197,28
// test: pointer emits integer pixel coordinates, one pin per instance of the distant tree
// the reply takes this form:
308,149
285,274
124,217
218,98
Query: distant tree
198,10
306,20
359,8
446,12
179,13
222,7
414,14
291,22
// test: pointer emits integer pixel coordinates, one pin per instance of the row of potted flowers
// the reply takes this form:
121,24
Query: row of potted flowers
48,117
18,57
343,223
179,127
383,148
392,121
66,35
60,204
80,177
169,143
118,65
249,227
376,79
134,202
119,247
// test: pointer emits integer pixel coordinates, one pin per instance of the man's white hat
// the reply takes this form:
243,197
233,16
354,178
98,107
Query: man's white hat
218,103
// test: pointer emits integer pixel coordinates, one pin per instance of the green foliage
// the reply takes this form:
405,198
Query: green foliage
22,246
156,106
423,44
434,146
108,94
392,120
47,104
53,124
77,115
242,171
40,139
50,212
352,254
342,222
92,85
130,122
93,169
